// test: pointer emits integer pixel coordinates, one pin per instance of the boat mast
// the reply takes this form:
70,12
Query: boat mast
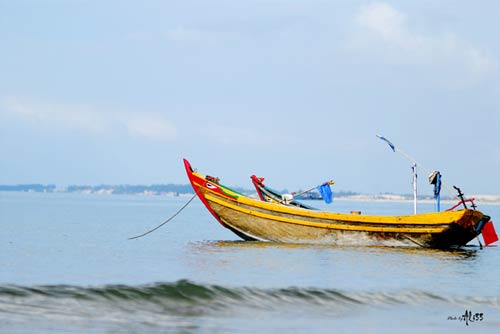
414,168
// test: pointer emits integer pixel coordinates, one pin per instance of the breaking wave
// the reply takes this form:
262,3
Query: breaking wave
189,307
184,298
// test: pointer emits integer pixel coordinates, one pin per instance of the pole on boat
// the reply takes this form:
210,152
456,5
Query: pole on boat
438,196
331,182
414,168
461,195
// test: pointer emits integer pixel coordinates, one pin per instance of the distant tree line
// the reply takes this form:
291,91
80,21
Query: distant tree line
134,189
29,187
155,189
104,188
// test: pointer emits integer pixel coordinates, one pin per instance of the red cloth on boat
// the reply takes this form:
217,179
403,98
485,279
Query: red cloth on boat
489,234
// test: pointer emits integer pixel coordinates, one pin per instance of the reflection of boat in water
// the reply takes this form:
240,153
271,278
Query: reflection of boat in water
267,221
233,246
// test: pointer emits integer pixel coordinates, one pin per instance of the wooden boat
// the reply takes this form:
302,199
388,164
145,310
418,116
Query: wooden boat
253,219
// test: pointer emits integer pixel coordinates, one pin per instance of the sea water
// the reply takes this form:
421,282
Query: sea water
67,266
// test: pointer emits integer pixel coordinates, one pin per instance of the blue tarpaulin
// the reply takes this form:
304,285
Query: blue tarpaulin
326,193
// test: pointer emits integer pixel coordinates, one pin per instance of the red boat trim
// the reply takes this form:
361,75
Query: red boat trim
197,190
461,203
256,182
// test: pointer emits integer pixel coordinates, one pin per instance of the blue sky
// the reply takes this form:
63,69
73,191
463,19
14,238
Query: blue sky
119,92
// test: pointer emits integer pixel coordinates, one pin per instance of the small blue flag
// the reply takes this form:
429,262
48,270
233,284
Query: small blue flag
326,193
388,142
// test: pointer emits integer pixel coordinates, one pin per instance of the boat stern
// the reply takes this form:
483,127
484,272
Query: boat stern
460,233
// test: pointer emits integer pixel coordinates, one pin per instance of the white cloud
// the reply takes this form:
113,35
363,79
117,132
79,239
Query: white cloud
199,37
383,33
247,134
45,114
151,127
88,119
382,20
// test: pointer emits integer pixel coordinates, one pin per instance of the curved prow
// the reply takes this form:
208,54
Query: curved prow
195,183
200,182
258,184
187,165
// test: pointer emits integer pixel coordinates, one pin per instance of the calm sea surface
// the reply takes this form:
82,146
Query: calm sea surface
66,266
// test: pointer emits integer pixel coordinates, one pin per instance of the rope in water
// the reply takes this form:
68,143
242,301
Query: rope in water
166,221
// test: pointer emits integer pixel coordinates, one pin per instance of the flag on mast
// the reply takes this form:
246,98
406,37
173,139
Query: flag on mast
388,142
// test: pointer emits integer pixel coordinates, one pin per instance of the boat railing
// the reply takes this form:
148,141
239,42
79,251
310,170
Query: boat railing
462,202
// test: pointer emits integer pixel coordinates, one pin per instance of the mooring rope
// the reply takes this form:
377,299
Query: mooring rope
166,221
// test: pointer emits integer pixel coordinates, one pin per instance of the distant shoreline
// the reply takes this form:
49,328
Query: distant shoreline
479,199
175,190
